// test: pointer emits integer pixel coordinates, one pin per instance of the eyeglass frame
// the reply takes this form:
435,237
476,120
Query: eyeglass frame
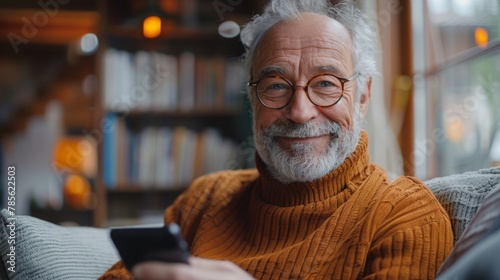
342,82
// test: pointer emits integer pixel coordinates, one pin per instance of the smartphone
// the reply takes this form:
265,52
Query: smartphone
137,245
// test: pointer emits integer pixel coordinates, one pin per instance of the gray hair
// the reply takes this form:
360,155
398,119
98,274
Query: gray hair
363,37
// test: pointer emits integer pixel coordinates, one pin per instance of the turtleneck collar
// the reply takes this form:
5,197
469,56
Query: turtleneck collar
333,183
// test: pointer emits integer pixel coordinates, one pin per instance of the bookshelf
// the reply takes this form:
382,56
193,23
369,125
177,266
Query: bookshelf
171,108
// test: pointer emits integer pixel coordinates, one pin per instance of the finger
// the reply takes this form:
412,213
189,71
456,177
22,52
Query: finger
219,265
199,269
220,269
160,270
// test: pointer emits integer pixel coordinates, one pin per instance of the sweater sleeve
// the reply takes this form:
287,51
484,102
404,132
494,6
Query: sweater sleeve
414,238
117,271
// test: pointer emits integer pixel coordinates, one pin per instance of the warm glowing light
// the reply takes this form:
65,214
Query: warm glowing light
77,192
481,37
151,27
76,155
455,129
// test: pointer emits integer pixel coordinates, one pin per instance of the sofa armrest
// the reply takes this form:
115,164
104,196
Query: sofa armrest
485,222
42,250
462,194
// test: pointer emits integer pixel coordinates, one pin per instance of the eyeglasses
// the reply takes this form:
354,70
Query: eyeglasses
323,90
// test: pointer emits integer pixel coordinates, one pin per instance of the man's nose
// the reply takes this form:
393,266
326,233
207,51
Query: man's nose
301,109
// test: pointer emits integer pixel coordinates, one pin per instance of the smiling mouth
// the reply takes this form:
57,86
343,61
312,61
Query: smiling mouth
300,139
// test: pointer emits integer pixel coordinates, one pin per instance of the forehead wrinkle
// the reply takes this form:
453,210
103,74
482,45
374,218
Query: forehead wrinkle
328,64
297,43
335,49
290,45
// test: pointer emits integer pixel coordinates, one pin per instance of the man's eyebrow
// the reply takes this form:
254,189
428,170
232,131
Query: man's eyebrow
271,70
327,68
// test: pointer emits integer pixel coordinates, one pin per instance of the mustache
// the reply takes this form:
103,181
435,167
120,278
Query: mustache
303,130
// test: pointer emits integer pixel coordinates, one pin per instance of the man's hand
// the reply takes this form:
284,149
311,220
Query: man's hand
198,268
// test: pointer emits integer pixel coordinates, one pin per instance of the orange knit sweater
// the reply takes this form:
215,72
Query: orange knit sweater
351,224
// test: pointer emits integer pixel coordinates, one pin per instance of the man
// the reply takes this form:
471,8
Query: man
315,208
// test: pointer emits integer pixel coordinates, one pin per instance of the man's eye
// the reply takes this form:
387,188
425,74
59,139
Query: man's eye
324,84
277,87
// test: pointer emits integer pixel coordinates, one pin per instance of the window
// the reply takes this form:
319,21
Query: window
457,85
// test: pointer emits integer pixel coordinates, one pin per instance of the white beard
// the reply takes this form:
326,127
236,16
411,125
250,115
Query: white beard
301,164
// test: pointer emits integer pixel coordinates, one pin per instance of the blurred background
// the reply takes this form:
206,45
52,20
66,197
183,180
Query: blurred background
108,109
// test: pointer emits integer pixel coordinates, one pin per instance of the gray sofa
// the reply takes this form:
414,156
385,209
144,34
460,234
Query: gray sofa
48,251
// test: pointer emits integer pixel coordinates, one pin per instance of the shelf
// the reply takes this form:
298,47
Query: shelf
132,204
194,113
227,122
170,34
61,30
134,189
205,40
65,216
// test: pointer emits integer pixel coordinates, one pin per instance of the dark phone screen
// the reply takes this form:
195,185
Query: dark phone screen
137,245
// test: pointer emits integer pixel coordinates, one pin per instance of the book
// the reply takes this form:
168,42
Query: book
109,152
186,80
153,81
163,165
146,176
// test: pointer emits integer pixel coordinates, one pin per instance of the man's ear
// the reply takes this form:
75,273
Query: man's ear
365,98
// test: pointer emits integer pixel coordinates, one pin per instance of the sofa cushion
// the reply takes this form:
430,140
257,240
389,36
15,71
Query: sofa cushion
462,194
47,251
485,222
